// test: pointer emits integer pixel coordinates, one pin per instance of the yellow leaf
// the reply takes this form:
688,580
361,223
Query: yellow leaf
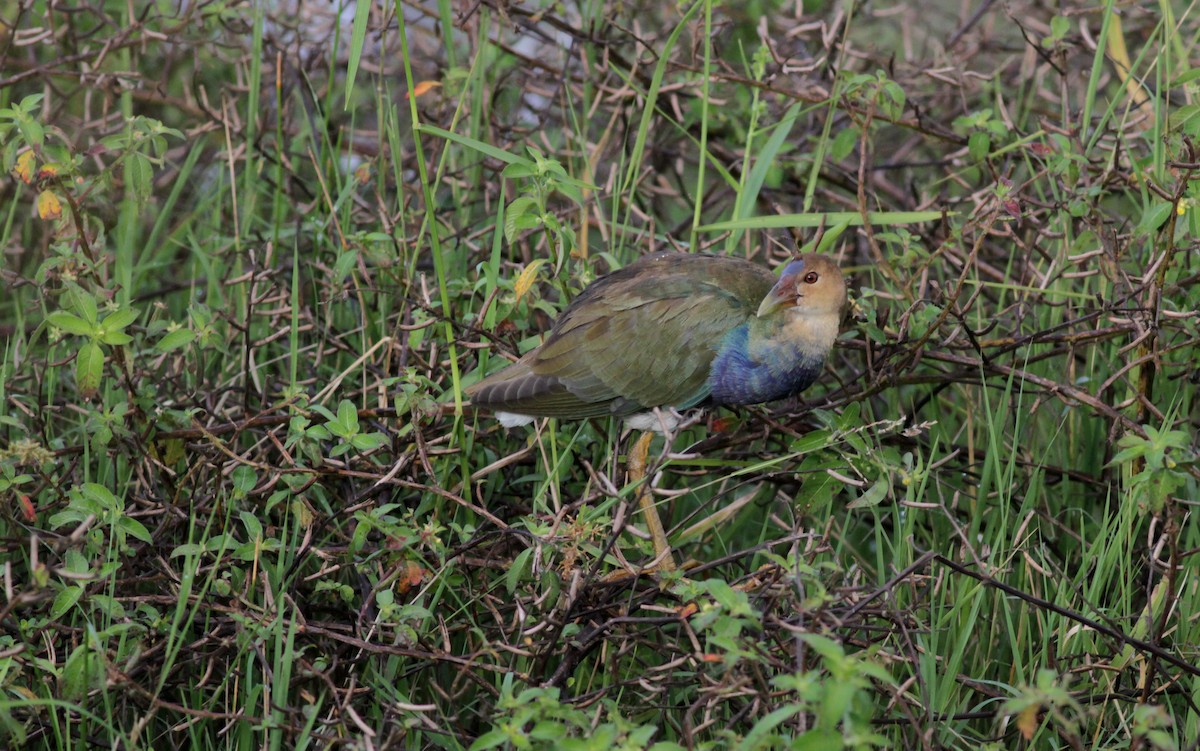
48,170
48,205
422,88
1027,721
527,277
24,167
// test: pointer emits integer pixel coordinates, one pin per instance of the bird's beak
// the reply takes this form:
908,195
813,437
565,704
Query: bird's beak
781,294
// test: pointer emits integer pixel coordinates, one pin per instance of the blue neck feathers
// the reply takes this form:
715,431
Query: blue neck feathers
759,365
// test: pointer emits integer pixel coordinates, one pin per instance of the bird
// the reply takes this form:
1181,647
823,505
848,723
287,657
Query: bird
670,332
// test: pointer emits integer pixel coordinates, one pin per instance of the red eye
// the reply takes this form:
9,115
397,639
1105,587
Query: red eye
811,277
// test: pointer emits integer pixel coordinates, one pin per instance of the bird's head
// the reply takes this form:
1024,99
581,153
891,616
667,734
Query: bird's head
812,284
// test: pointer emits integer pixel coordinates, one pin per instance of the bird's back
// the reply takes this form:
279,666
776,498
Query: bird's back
644,336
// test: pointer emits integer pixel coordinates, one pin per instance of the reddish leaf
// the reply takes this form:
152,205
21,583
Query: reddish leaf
27,508
422,88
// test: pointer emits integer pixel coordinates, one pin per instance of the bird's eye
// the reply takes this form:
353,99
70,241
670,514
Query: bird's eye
811,277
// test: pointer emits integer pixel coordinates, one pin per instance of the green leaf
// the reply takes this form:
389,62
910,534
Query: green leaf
843,143
470,143
762,729
64,601
358,35
244,479
368,441
139,176
894,92
1183,118
835,704
766,159
70,323
1155,217
115,338
219,542
518,170
490,739
548,731
83,671
254,530
824,646
978,146
174,340
101,495
814,441
830,237
516,570
872,496
31,130
1179,439
119,319
569,191
89,369
1189,75
344,265
318,432
516,211
818,739
323,411
1129,454
359,539
348,416
531,220
85,305
63,518
134,528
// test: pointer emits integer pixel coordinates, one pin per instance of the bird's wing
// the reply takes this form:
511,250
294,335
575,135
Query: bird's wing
642,337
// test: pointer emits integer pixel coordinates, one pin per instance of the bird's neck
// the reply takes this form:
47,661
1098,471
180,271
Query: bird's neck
795,334
771,358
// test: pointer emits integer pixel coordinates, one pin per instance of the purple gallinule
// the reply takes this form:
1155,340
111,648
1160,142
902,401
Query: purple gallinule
675,330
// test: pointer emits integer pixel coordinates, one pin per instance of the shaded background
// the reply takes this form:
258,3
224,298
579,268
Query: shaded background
243,293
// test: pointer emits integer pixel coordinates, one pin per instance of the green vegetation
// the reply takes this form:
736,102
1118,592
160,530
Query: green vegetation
253,254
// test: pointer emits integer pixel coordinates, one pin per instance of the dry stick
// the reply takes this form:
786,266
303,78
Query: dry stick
399,651
890,584
983,8
949,302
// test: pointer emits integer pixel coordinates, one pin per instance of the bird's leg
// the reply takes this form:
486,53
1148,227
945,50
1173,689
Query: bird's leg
638,458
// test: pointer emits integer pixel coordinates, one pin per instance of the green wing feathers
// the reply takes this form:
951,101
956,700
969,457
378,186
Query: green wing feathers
642,337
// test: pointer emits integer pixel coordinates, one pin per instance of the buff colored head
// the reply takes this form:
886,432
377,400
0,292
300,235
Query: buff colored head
812,284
